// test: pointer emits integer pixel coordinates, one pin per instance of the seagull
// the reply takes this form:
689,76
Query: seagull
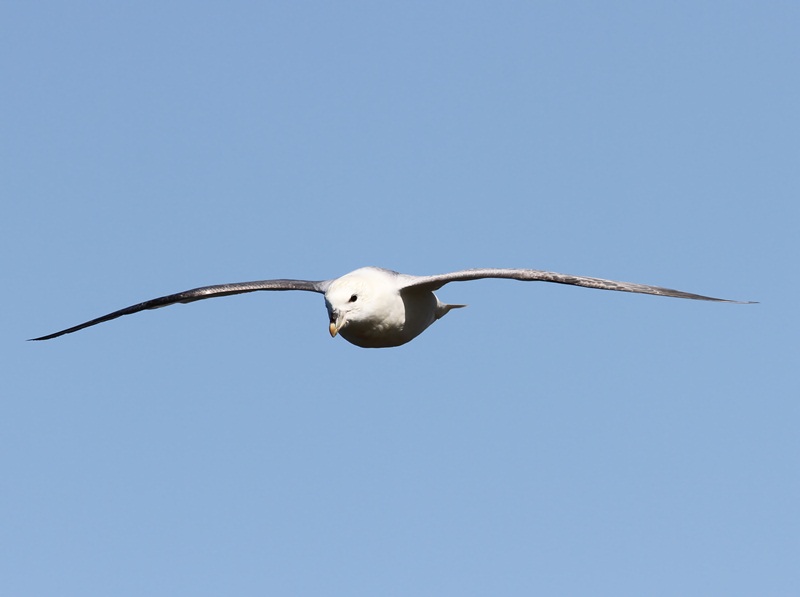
373,307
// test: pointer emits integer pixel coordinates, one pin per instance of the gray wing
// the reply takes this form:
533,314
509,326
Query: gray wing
199,294
534,275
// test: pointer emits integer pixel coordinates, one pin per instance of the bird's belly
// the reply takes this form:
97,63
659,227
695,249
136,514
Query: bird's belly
405,321
375,336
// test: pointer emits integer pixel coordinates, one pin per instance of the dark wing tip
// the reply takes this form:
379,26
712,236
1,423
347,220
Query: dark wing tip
82,325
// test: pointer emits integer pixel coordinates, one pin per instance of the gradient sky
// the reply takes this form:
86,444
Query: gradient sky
545,441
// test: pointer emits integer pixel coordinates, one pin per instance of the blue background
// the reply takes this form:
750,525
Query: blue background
546,440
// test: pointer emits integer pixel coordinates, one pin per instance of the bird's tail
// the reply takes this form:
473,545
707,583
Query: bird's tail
443,308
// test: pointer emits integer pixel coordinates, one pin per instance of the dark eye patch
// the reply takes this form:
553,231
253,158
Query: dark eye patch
353,298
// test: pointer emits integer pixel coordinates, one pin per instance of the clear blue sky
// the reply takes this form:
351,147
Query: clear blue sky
545,441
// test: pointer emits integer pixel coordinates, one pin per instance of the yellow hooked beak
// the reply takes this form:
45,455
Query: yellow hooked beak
338,321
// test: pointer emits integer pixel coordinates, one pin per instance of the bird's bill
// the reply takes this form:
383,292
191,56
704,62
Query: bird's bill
338,321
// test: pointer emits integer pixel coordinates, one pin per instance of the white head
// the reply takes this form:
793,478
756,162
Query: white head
364,304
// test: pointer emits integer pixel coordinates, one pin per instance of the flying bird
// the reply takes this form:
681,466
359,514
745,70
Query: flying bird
374,307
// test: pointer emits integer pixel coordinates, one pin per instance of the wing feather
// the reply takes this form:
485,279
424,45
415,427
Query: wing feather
199,294
435,282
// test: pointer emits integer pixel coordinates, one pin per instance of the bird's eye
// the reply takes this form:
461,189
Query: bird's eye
353,298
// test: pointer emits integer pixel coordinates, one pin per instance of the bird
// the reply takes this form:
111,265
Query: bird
373,307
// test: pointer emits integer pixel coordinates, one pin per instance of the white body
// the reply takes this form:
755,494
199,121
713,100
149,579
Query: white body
370,309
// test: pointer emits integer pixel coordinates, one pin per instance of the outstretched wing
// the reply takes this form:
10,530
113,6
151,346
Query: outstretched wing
533,275
199,294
